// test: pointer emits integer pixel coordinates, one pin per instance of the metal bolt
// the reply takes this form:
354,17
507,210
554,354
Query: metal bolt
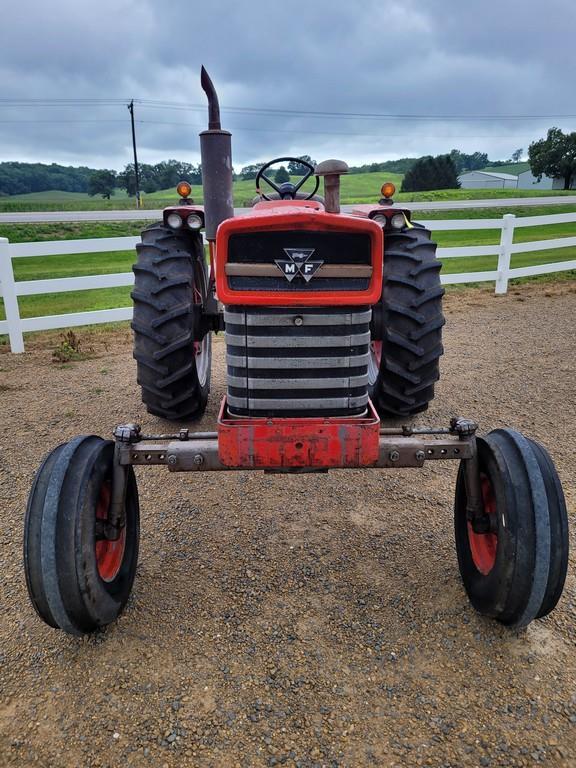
420,456
172,459
298,320
393,455
198,459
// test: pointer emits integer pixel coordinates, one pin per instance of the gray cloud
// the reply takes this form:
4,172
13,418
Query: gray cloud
421,57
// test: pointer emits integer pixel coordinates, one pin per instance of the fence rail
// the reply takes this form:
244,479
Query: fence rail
10,289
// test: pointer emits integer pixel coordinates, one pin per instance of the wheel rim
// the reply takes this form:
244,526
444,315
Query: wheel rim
202,355
484,546
109,554
201,348
374,362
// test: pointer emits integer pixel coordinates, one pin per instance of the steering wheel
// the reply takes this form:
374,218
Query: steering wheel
287,190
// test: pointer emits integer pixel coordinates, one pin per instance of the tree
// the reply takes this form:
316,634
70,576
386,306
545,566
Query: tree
282,175
517,155
102,183
297,169
554,156
464,162
250,171
431,173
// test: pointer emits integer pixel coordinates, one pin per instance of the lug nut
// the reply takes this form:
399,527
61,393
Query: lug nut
172,459
298,320
393,455
420,456
198,459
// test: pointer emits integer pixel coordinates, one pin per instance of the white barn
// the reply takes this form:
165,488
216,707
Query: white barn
527,180
487,180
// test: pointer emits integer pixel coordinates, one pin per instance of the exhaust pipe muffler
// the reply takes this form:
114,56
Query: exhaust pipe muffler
216,154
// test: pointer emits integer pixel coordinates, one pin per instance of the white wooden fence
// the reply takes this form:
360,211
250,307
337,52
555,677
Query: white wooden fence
10,289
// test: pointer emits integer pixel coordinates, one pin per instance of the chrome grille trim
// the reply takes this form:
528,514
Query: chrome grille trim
287,319
297,361
312,403
286,383
298,342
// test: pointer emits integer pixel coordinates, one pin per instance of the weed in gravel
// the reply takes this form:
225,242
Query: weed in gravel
70,348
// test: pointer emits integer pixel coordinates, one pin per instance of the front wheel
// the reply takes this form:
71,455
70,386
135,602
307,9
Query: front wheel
78,579
514,567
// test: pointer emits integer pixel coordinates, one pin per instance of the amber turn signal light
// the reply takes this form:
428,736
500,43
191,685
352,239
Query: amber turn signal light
388,189
184,189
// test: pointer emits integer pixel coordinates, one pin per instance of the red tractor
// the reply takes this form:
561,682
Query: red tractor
332,321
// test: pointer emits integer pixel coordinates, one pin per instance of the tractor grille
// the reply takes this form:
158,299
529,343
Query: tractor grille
297,362
254,261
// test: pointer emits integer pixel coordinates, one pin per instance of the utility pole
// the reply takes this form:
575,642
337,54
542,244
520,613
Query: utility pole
136,172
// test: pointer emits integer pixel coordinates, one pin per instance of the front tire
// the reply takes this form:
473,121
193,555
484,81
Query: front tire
406,328
172,350
78,580
515,570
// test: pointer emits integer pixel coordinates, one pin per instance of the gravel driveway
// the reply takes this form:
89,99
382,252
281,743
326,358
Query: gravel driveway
295,620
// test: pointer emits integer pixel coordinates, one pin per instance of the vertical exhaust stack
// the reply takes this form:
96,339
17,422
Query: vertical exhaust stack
216,152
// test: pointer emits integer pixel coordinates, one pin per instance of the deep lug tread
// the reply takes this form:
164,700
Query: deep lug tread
400,341
400,371
178,344
147,332
150,363
168,315
432,295
176,375
433,325
433,355
165,322
167,284
411,324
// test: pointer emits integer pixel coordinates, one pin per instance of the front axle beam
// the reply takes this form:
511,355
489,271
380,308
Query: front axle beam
195,455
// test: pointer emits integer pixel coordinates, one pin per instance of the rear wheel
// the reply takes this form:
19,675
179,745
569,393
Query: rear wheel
79,580
514,569
407,325
172,348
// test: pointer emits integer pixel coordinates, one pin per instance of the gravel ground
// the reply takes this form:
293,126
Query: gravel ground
295,620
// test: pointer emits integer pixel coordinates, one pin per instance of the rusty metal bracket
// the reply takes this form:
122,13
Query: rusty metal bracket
202,454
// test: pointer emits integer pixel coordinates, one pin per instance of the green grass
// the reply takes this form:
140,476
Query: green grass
27,233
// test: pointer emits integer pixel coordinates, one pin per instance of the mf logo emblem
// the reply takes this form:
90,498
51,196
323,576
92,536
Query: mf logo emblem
298,263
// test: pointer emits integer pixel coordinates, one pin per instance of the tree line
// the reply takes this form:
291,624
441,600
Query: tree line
554,156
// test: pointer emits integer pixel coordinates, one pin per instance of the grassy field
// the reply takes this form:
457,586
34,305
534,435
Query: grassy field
356,188
121,261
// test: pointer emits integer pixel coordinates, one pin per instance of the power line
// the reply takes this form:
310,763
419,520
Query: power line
157,104
251,129
83,120
242,129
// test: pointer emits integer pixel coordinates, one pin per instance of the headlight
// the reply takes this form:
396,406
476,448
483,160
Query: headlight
398,221
194,221
382,220
174,220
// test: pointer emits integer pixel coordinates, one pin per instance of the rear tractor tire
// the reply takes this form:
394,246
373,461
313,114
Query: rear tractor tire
78,580
515,570
172,349
406,329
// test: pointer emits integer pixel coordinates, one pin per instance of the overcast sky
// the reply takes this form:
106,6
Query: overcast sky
410,58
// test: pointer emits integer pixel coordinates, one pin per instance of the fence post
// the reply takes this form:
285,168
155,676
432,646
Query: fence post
8,289
506,238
